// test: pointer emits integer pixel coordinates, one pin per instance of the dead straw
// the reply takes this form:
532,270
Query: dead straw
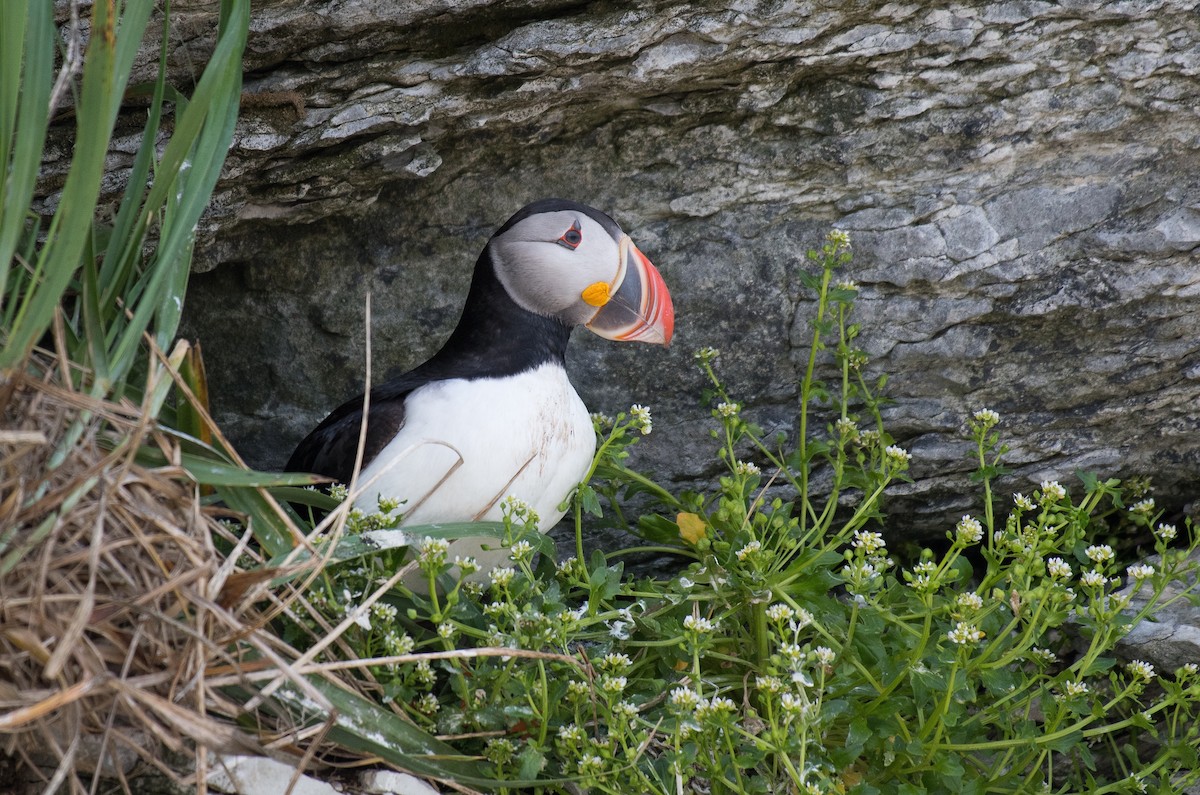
112,616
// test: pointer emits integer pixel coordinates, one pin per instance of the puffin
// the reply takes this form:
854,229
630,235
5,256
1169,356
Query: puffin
492,414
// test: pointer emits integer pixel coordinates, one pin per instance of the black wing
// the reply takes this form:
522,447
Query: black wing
331,447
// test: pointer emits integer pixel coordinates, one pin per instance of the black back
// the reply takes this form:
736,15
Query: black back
494,338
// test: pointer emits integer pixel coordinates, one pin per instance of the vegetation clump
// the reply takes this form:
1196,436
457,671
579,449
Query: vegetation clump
794,653
151,586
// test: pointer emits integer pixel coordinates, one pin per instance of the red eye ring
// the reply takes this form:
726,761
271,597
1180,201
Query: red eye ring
572,237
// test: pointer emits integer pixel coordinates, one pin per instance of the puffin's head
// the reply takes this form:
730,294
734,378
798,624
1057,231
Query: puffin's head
566,260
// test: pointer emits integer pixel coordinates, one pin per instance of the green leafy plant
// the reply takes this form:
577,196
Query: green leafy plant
793,653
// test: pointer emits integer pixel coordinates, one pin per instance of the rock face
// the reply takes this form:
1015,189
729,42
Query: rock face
1171,637
1021,182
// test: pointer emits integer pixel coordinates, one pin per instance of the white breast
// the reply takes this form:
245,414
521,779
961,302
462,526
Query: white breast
466,445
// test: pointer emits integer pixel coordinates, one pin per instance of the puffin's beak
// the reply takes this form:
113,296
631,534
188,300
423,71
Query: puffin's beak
639,307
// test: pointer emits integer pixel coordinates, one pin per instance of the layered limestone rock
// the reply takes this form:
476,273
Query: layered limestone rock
1021,182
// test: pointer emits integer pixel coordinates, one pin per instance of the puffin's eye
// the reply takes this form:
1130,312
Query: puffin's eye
572,237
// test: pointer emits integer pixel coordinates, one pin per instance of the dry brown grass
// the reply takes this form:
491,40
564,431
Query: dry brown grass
115,606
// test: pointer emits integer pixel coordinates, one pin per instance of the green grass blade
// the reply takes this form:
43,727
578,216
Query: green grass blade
132,222
92,312
184,180
210,472
105,74
12,54
269,528
367,728
27,43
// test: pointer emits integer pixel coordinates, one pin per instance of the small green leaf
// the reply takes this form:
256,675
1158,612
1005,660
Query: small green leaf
590,501
531,762
1064,743
1099,665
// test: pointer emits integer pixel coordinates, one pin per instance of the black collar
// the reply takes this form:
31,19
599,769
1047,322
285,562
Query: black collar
495,336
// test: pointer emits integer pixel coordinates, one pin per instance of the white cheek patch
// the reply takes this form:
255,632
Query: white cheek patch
548,279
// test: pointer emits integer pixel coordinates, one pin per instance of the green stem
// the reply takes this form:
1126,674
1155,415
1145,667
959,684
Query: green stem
806,386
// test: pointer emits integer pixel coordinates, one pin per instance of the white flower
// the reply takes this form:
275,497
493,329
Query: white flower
867,541
897,456
803,619
969,601
1059,569
388,504
1140,571
382,611
752,548
847,427
685,699
432,551
1166,532
920,582
840,238
964,633
728,409
1052,491
746,468
613,684
446,630
1099,553
717,705
698,624
780,612
571,733
859,571
792,703
769,684
1074,688
723,704
616,662
398,644
639,416
601,420
793,652
424,673
824,655
1140,670
502,576
1044,656
706,354
1023,502
516,508
969,530
847,284
521,551
986,417
1144,507
1093,579
467,565
1187,669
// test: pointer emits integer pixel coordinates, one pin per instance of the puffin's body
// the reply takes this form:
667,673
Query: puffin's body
493,414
